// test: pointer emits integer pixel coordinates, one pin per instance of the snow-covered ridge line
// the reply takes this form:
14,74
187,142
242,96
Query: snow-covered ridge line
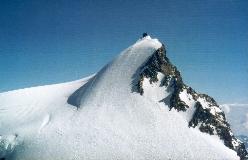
131,58
47,86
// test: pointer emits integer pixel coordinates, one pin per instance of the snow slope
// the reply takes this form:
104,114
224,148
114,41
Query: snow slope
109,122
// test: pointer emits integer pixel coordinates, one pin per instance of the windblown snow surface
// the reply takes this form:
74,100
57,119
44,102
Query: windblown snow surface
110,122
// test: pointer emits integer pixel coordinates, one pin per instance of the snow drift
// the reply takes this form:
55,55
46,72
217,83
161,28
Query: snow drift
136,107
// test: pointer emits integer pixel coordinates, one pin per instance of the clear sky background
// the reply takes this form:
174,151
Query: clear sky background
51,41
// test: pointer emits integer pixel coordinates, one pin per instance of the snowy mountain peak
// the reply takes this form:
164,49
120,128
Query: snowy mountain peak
118,74
135,107
146,67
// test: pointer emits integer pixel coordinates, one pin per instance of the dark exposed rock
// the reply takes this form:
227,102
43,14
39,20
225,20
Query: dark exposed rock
144,34
158,62
175,101
192,92
212,123
210,119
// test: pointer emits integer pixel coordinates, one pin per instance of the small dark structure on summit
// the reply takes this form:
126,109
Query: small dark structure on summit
144,35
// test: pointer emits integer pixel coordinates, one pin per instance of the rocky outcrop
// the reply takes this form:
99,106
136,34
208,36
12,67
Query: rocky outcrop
158,62
208,116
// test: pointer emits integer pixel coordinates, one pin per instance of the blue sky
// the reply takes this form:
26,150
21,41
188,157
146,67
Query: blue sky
47,41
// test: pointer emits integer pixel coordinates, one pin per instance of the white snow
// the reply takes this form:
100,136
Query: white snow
111,123
188,99
45,122
205,105
155,91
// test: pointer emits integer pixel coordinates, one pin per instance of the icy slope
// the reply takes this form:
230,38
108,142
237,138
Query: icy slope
110,121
